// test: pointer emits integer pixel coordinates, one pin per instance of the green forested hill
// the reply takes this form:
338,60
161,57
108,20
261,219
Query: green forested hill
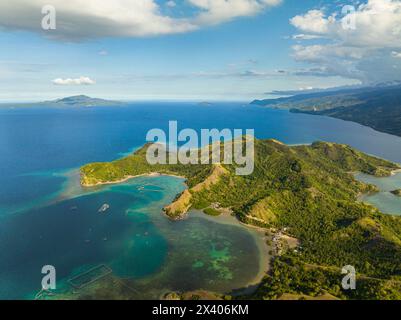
376,107
308,191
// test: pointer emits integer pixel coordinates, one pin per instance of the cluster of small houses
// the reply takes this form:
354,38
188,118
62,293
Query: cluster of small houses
217,206
280,244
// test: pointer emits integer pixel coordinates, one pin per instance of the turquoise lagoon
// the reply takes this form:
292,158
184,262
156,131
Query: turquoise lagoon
132,237
383,200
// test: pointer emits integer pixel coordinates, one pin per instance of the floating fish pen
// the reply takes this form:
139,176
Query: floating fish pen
150,187
90,276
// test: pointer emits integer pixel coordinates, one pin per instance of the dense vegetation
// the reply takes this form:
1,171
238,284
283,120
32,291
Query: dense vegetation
310,192
136,164
378,107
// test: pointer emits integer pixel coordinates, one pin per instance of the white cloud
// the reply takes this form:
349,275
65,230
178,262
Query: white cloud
314,21
218,11
171,4
364,52
302,36
80,19
76,82
377,24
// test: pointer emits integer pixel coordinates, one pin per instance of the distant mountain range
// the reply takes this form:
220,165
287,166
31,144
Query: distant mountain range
378,107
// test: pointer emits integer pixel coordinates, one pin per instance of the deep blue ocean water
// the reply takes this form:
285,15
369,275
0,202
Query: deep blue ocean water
38,145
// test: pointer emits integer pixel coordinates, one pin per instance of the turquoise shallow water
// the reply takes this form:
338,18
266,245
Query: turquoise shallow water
46,218
384,200
132,237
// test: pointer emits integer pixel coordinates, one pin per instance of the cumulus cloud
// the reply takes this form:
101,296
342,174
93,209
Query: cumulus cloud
313,21
80,19
358,45
71,82
217,11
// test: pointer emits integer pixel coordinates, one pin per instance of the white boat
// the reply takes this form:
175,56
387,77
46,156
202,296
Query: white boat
104,208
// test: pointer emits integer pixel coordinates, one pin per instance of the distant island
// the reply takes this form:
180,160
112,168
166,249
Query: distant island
378,107
73,101
205,103
84,101
306,193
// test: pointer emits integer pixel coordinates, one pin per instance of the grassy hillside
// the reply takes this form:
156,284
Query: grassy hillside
309,192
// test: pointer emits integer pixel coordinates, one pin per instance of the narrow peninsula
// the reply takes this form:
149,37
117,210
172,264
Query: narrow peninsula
378,107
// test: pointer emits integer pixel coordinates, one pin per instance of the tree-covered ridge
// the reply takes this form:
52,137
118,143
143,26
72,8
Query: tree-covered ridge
266,152
311,193
136,164
376,107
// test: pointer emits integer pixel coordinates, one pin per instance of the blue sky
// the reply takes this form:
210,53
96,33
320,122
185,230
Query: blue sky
193,49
